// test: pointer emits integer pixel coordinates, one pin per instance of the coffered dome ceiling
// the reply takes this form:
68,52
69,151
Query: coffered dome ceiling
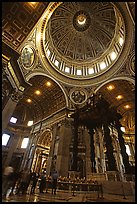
82,31
83,39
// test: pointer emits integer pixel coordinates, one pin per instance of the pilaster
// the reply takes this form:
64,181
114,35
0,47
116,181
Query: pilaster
9,108
14,143
51,153
64,133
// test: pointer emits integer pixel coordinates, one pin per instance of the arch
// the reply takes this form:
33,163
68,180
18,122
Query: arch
115,79
44,74
119,104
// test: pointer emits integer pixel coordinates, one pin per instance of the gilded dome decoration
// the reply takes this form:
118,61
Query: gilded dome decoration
92,37
83,39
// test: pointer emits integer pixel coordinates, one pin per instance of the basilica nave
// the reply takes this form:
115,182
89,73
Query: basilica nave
68,94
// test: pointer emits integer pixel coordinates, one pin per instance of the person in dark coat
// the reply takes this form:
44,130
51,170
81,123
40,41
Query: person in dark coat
34,179
24,182
54,181
15,177
42,185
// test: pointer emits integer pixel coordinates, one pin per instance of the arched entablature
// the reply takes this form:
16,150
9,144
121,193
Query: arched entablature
120,93
131,80
28,77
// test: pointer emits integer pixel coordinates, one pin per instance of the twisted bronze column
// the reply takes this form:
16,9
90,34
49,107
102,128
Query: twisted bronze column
75,146
109,148
92,149
123,149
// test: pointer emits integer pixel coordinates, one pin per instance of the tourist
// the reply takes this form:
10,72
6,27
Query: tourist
54,181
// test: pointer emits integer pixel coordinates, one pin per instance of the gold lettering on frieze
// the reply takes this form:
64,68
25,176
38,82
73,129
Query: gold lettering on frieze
13,74
5,57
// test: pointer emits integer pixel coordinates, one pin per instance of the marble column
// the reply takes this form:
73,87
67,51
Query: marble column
75,146
64,134
13,143
9,108
26,158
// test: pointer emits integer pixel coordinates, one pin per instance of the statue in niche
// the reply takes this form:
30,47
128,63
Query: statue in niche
100,166
27,56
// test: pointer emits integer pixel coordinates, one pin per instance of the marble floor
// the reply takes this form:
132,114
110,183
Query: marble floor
68,196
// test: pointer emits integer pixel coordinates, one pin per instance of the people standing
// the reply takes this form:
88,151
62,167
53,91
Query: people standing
42,184
34,179
14,178
54,180
24,181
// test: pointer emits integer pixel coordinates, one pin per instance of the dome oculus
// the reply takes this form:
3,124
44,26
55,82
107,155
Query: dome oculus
81,21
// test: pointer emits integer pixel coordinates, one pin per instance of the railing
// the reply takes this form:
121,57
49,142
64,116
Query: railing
75,187
129,177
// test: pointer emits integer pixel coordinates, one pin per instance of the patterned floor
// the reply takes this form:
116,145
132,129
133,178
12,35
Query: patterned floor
65,196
